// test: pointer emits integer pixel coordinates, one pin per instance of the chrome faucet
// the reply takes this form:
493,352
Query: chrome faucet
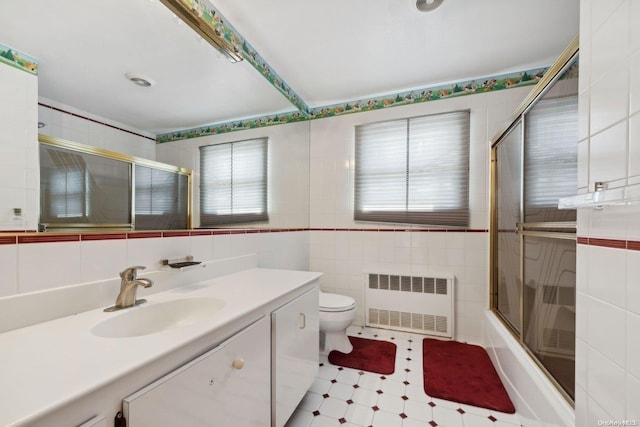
128,287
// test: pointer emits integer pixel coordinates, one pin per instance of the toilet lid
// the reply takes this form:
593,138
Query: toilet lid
335,302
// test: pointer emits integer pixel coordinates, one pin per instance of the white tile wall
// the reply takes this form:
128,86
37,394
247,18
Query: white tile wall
608,293
33,267
8,262
345,255
48,265
18,137
607,275
102,259
64,125
288,196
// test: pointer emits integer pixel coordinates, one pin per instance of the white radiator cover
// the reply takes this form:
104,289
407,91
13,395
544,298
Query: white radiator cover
423,304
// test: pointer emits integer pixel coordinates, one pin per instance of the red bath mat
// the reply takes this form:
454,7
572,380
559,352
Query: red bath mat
463,373
367,355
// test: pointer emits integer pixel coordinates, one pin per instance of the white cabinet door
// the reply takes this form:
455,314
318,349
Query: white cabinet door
295,350
228,386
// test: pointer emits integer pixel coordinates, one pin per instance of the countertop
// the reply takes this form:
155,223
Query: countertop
46,366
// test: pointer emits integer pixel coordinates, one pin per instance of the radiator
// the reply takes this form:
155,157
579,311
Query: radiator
422,304
556,305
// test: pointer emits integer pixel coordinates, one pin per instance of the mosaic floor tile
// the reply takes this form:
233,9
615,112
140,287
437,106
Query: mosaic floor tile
391,403
334,408
363,399
348,376
359,414
387,419
341,391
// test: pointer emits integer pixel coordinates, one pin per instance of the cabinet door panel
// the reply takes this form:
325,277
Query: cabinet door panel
210,391
295,329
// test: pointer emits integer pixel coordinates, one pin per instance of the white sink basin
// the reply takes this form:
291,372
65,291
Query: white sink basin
153,318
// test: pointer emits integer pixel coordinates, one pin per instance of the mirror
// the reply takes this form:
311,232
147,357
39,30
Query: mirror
84,98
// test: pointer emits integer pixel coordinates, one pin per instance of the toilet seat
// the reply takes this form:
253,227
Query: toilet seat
336,303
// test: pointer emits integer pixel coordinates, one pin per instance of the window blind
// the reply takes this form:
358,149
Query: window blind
233,183
550,158
414,170
161,199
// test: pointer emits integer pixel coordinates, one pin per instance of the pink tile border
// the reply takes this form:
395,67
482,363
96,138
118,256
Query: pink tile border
408,230
144,234
8,240
176,234
608,243
32,237
49,238
631,245
200,233
103,236
23,237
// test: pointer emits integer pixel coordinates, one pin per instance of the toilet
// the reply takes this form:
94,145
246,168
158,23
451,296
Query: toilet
337,312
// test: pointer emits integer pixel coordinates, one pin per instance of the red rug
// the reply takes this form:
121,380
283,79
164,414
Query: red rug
463,373
367,355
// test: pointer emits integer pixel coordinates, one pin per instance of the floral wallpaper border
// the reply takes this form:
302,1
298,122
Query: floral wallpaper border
209,15
463,88
18,59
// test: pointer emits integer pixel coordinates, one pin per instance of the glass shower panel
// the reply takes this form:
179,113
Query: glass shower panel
551,152
508,216
549,302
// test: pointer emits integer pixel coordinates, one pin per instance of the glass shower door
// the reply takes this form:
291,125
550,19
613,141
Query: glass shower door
508,216
533,242
549,245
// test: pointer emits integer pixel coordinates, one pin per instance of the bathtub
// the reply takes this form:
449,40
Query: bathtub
537,401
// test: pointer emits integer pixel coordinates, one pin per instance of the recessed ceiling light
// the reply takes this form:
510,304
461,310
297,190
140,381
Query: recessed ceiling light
428,5
139,79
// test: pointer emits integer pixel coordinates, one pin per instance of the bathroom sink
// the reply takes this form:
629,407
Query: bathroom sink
150,319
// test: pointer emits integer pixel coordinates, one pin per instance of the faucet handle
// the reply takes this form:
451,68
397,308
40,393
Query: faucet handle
130,273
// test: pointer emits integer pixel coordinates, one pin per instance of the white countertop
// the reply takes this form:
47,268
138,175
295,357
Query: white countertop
45,366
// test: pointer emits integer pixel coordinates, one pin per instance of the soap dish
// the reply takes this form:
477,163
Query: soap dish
182,264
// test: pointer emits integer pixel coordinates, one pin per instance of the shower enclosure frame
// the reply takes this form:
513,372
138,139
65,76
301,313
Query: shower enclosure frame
552,230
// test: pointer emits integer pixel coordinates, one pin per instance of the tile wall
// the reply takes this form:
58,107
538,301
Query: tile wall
30,264
344,250
19,172
69,123
608,273
288,196
34,264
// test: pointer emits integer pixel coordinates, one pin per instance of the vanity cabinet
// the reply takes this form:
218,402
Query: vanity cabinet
295,329
227,386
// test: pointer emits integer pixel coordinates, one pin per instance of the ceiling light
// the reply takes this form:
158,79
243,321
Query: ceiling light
195,18
139,79
428,5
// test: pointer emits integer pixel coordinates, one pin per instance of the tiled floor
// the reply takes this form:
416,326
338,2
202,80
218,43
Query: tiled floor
346,397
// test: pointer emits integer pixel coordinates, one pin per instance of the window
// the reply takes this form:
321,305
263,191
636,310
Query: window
161,199
414,170
233,183
550,158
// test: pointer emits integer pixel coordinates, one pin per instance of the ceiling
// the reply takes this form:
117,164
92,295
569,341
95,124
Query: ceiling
328,52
